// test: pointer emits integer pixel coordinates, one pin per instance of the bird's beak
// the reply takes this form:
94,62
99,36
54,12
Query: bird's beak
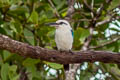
52,24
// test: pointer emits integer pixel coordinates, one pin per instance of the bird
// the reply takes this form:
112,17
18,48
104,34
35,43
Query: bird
63,36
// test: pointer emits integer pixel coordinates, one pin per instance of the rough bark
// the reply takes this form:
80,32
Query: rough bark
37,52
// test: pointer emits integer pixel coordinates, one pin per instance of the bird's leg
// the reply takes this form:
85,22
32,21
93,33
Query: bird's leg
71,51
61,51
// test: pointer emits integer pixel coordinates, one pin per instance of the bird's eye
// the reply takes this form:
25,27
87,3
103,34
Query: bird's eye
62,23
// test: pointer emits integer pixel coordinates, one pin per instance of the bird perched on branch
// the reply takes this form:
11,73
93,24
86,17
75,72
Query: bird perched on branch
63,36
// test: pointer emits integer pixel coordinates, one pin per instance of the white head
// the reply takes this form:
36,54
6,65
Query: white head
60,24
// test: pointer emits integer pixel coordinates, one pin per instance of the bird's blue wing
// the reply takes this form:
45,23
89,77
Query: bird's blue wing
72,33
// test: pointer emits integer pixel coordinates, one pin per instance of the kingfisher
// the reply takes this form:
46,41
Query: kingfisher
63,36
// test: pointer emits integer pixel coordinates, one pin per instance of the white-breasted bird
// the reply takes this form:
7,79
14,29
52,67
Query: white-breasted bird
63,36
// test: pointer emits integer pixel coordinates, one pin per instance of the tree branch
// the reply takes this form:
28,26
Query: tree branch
54,8
36,52
70,10
103,44
88,6
69,75
107,20
88,40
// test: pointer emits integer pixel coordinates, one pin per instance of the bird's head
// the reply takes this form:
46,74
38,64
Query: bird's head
60,24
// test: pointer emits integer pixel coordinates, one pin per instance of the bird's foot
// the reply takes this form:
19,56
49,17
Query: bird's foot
71,52
61,51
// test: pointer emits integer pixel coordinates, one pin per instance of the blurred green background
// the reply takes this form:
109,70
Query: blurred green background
24,20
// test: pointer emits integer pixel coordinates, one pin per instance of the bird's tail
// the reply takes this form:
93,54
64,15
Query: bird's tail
66,67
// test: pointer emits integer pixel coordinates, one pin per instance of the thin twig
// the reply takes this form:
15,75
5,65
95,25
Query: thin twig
89,7
99,12
107,21
88,40
104,44
113,9
54,8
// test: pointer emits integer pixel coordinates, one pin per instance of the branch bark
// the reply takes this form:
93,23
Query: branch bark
37,52
70,10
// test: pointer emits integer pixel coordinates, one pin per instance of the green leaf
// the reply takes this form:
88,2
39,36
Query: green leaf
81,34
114,29
29,36
84,33
114,4
34,17
4,71
49,14
16,77
34,73
2,31
17,10
54,65
14,1
17,26
6,55
57,2
30,61
13,68
12,73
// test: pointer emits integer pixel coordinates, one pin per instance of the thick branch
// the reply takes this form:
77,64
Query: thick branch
36,52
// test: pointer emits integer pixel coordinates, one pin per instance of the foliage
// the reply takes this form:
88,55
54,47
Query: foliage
24,20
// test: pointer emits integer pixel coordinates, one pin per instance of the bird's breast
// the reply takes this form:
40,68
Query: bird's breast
63,39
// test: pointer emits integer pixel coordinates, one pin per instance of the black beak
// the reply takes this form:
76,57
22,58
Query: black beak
52,24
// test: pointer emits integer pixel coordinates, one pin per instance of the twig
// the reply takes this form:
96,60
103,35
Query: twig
107,21
104,44
110,19
23,74
54,8
113,9
89,7
88,40
73,20
100,11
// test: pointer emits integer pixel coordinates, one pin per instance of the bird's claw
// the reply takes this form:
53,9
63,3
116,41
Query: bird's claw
71,52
